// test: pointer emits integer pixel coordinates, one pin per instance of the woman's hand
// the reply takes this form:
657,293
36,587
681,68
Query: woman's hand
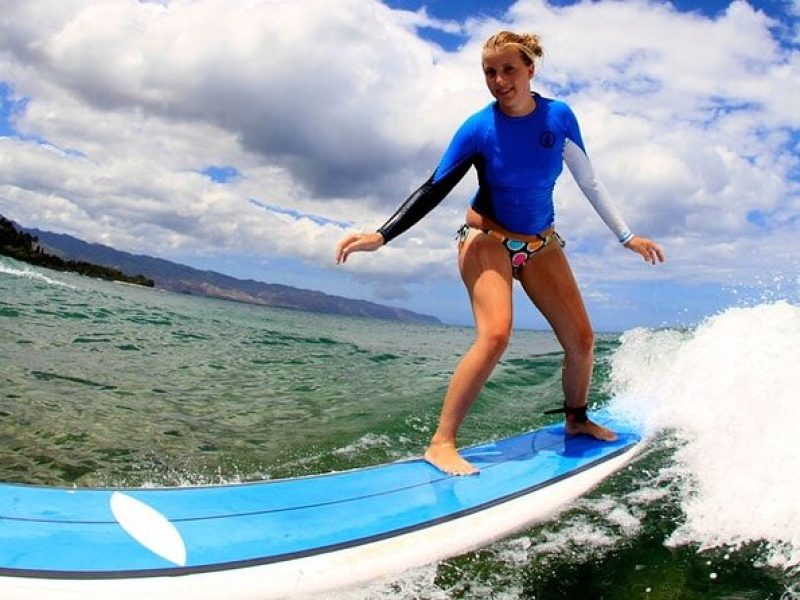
357,242
651,251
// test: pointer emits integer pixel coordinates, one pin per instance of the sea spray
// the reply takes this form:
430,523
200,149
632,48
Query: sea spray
728,392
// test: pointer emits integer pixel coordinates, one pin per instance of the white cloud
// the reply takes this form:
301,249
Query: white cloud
341,109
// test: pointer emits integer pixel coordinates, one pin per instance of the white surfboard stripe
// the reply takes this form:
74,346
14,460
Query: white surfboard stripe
148,527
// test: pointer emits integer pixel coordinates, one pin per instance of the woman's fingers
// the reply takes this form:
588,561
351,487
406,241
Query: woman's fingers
648,249
657,253
343,247
357,242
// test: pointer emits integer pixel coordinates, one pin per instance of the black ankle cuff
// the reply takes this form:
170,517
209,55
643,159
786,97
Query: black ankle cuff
574,414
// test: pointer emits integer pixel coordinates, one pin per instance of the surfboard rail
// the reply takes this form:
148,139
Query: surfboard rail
287,538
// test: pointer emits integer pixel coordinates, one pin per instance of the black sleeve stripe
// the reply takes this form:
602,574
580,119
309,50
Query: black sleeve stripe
423,201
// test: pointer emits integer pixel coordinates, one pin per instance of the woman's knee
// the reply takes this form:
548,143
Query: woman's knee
582,344
495,341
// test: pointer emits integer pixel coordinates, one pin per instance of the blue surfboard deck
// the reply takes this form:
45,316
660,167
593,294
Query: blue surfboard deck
65,533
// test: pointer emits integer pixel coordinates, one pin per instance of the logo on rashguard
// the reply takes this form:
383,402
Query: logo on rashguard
547,139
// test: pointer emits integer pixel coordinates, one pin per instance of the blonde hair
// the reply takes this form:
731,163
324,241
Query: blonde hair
528,44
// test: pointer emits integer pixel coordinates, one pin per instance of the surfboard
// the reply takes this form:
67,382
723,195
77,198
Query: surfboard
291,537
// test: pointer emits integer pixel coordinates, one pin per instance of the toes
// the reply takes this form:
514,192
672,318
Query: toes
450,463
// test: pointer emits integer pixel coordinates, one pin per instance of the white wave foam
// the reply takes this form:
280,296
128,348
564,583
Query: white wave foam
422,582
365,442
414,583
626,518
729,392
599,527
32,274
577,538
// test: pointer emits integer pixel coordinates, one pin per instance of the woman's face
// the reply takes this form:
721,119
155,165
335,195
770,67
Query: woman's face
509,80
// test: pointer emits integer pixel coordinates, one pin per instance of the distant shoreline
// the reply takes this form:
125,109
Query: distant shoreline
26,248
29,245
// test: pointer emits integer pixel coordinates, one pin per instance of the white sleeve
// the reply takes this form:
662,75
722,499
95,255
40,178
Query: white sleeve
583,172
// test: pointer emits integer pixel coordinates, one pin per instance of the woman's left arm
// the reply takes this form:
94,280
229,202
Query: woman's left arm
583,171
648,249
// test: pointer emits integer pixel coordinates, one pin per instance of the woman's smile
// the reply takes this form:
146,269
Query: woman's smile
508,79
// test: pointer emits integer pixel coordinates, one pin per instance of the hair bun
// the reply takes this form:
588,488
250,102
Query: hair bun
528,43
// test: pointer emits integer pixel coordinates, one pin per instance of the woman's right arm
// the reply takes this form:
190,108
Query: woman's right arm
426,197
457,160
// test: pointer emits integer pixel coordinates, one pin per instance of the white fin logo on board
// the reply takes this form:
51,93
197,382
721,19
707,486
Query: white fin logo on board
149,527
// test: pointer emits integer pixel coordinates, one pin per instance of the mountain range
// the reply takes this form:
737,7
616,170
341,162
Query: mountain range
181,278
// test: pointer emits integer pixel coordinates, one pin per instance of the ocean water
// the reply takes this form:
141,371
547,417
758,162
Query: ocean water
108,384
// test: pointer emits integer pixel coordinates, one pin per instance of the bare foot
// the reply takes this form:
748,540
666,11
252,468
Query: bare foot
445,457
589,428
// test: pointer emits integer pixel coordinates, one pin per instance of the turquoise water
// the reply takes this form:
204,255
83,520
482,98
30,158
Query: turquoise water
109,384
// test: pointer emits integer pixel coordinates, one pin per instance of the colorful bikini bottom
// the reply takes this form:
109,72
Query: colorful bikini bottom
519,251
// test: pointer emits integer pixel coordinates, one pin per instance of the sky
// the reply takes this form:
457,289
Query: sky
248,137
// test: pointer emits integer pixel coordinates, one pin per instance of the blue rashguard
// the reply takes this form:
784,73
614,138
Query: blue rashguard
518,160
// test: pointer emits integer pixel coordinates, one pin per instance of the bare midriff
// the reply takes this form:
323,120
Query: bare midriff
477,220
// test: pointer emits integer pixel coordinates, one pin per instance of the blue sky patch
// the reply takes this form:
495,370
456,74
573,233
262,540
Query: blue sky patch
297,215
563,89
792,147
449,41
757,218
450,10
9,108
221,174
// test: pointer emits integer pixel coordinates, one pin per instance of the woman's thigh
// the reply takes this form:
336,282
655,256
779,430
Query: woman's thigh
548,281
486,271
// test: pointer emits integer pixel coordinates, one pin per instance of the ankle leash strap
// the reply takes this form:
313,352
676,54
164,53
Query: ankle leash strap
574,414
